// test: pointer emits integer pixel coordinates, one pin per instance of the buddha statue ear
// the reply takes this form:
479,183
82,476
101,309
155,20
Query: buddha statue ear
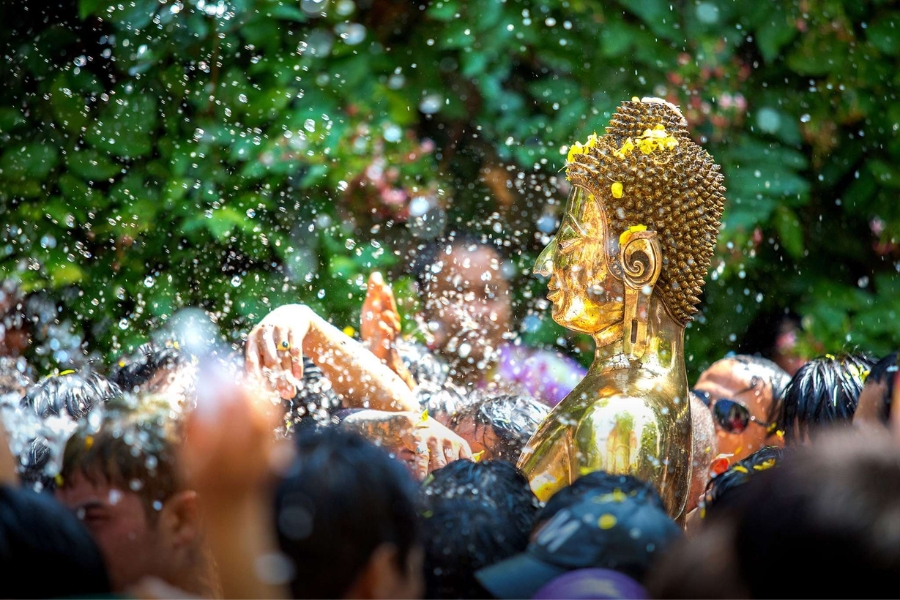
640,261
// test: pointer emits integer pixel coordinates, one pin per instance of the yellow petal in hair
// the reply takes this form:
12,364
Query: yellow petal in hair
740,469
424,418
607,521
67,372
766,464
617,189
478,456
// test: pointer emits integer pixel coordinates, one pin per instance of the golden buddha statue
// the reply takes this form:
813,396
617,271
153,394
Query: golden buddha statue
627,266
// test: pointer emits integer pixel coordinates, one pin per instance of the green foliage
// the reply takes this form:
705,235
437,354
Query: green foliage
238,154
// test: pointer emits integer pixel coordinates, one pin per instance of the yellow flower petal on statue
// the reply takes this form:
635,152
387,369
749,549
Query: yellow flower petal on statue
349,331
67,372
88,442
575,150
477,456
607,521
647,145
58,479
424,418
624,237
616,189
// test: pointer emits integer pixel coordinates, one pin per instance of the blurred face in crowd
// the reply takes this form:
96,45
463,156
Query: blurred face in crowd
467,305
481,438
733,391
135,546
705,449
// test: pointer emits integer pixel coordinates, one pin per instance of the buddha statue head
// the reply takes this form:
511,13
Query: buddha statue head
639,227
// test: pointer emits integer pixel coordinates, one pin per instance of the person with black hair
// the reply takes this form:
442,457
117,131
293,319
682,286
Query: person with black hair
37,533
875,398
721,489
744,394
70,394
346,521
831,507
499,426
156,369
51,407
600,521
121,476
472,514
823,393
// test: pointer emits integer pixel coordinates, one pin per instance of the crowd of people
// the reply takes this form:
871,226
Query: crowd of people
308,464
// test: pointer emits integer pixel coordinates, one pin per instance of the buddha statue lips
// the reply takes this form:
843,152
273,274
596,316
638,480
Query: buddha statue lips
627,267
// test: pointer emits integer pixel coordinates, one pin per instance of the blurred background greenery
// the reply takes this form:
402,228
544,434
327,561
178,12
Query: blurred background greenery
238,154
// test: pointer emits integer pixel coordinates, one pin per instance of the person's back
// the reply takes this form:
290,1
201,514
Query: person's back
472,515
346,521
832,507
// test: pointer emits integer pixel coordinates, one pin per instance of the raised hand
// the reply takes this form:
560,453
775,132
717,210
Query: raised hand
380,326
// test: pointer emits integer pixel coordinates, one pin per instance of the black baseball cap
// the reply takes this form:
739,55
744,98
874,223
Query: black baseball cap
617,530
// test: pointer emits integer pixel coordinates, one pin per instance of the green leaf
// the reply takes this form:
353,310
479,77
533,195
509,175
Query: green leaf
90,165
789,231
775,33
34,160
65,273
884,34
443,10
87,8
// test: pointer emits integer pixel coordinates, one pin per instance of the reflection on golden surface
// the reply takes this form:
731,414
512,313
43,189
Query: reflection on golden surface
626,266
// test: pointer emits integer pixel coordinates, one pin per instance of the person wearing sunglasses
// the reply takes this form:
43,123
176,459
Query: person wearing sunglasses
744,395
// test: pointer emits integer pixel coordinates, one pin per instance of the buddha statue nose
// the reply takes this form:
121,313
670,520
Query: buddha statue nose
544,263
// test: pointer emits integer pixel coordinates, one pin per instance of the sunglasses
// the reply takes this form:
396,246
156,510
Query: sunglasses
730,415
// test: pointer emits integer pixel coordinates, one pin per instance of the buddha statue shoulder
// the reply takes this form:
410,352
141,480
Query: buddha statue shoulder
627,266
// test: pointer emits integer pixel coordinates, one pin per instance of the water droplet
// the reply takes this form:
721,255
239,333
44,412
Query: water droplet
431,104
149,281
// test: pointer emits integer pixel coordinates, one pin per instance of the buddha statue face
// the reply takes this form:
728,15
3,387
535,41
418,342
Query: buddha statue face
585,296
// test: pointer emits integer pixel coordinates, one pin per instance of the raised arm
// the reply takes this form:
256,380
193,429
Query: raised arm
275,349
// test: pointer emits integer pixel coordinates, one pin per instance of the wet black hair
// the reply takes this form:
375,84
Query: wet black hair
341,499
472,516
315,403
36,530
513,419
777,378
883,372
70,393
133,373
824,392
721,488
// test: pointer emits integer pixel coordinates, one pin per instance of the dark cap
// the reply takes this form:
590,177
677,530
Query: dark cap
595,529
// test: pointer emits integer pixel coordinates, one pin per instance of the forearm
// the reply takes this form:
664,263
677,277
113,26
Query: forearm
356,374
380,425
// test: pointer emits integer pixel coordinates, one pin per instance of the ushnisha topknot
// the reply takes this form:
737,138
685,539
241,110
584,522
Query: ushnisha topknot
646,171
